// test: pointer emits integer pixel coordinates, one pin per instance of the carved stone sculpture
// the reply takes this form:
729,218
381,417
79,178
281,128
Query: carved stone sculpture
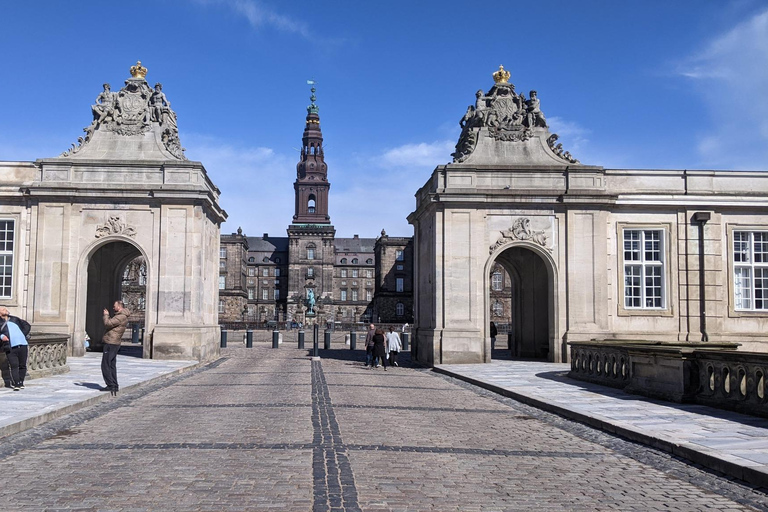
521,230
310,301
114,226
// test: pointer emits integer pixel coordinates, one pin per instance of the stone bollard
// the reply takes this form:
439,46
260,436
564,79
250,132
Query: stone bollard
406,338
315,352
142,336
301,339
223,338
249,339
327,340
135,333
275,339
509,341
352,340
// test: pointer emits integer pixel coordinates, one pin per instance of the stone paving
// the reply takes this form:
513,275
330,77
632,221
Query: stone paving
51,397
265,429
726,441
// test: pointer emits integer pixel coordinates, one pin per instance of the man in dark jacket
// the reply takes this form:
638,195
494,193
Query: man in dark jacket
13,341
369,346
115,327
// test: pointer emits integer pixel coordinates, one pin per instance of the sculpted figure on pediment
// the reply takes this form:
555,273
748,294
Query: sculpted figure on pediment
105,105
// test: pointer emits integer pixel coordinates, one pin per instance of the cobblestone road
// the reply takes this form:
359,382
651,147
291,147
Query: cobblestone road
268,429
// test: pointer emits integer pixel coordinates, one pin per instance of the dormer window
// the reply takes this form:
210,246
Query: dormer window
354,261
343,261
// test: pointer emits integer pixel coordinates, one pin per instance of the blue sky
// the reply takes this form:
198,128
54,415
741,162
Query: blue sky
627,84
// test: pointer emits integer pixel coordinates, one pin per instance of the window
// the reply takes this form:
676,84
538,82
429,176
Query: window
277,294
222,252
343,272
369,261
399,267
343,261
251,271
399,284
368,295
354,261
354,272
369,273
310,272
142,274
221,306
354,295
399,309
251,294
310,253
644,269
264,294
222,282
251,260
343,294
311,204
222,264
750,269
399,255
498,309
277,272
142,303
265,272
497,284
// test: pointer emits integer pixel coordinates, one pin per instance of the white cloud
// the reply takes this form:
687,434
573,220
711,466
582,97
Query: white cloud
572,135
731,74
260,16
419,155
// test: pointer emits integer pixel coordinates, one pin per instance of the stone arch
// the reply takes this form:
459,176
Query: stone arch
534,299
99,282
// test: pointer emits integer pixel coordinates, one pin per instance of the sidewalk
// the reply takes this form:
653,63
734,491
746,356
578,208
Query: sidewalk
732,443
52,397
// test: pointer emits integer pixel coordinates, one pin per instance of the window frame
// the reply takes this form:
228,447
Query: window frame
12,253
399,285
731,231
668,241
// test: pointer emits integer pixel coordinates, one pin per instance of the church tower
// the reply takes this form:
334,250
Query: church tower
311,186
311,252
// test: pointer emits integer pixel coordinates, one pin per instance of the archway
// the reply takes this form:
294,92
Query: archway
106,268
530,307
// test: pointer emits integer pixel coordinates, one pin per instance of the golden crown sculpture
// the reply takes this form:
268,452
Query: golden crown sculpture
138,71
501,76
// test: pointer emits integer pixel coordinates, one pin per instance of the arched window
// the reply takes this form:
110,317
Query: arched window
311,204
369,261
400,309
343,261
251,260
277,260
497,283
498,309
354,261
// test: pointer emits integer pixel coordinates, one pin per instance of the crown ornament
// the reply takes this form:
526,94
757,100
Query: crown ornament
501,76
138,71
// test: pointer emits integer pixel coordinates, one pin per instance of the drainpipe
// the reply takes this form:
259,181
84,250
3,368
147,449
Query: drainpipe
701,218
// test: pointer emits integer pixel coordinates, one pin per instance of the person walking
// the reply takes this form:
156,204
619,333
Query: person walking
379,348
369,346
393,346
494,333
13,341
115,327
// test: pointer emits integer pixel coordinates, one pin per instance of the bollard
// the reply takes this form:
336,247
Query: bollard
135,334
142,336
327,340
509,341
223,338
249,339
406,336
315,352
301,339
275,339
352,340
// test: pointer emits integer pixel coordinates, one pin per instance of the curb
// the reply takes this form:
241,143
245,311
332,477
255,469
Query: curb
755,475
28,423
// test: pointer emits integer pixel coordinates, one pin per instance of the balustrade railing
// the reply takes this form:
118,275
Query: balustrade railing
47,356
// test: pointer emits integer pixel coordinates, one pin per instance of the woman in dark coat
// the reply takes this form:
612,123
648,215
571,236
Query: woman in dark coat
379,350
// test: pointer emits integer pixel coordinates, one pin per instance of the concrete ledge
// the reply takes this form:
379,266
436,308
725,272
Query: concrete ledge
742,469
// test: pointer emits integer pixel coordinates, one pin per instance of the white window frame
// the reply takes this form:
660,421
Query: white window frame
639,268
354,295
497,308
497,281
265,272
748,273
399,255
310,253
400,309
265,294
223,282
277,272
223,252
251,294
343,295
221,306
343,272
355,273
368,295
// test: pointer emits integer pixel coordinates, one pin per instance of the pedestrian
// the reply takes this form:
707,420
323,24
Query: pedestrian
379,349
494,333
369,346
115,327
13,341
393,346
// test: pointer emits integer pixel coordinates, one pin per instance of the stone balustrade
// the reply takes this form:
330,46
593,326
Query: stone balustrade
47,356
710,374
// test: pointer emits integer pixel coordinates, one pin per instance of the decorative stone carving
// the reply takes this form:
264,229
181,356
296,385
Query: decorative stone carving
134,110
521,230
114,226
503,115
558,149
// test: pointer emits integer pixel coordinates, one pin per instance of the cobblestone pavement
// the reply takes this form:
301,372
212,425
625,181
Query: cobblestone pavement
265,429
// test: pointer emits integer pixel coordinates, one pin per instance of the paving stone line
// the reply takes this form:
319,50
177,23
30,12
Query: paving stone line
334,483
671,465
